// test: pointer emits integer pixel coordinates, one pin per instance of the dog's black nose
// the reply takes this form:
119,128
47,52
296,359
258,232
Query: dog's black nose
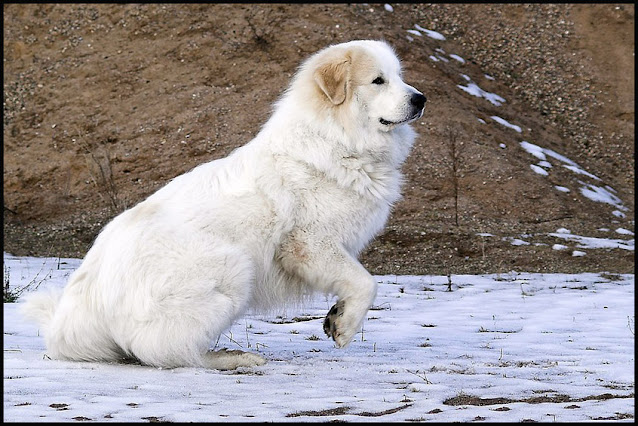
418,100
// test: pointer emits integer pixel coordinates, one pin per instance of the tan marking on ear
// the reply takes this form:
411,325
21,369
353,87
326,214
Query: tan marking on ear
332,78
338,73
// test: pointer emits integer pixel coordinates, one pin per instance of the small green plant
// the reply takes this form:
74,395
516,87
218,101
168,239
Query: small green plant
11,295
313,337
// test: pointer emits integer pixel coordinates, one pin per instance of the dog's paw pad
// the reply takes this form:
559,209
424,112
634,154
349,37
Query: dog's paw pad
330,323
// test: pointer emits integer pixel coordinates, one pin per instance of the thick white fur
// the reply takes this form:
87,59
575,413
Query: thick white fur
281,217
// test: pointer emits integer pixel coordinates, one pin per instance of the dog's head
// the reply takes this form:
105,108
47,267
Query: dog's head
362,80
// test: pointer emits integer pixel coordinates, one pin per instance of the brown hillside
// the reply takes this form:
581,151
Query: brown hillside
104,104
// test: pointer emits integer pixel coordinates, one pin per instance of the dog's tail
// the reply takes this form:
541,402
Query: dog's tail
40,307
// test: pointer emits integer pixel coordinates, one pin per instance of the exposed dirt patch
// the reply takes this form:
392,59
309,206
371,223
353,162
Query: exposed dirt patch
559,398
338,411
328,412
104,104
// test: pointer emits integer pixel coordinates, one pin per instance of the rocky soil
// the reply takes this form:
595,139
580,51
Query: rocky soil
104,104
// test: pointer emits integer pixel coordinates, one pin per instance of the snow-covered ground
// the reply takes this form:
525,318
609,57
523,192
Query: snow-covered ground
508,347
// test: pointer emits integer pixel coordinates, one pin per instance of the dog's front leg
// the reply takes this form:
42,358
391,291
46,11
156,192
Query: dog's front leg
329,268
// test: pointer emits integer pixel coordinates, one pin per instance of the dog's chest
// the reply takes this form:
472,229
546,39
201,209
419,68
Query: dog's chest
349,200
369,178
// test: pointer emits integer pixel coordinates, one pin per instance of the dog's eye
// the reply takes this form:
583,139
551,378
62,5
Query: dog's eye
378,80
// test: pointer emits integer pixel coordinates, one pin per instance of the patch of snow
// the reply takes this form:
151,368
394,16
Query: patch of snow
595,243
580,171
533,149
624,231
559,157
618,213
430,33
474,90
600,194
539,170
457,58
505,123
593,192
542,153
516,241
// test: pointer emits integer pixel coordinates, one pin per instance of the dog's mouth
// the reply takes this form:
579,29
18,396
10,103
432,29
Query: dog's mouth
396,123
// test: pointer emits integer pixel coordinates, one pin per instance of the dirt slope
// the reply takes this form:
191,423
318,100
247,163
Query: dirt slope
104,104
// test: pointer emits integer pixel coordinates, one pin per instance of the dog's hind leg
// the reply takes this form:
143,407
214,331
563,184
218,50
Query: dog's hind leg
185,343
200,298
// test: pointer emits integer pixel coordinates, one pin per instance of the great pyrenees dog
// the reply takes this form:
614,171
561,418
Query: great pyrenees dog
282,217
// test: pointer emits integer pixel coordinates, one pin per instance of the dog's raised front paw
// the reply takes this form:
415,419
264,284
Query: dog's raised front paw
330,324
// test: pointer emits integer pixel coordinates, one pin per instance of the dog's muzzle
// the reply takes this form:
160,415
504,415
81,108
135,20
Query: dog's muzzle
417,103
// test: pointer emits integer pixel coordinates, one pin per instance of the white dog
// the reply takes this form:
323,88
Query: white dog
279,218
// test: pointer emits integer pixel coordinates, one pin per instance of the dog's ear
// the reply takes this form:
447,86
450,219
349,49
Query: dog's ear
333,78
